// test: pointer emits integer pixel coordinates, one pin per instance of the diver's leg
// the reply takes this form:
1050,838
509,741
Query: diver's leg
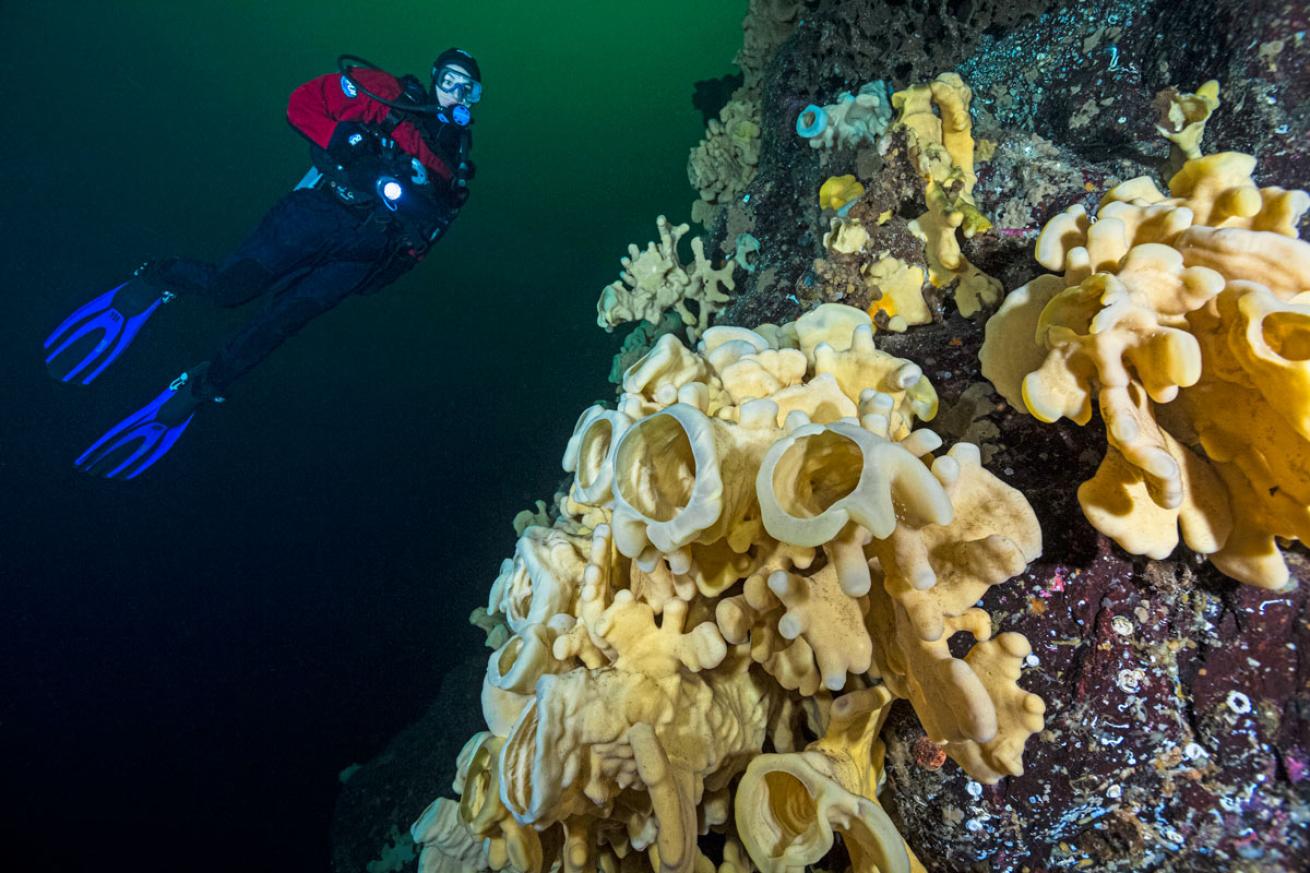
141,439
236,281
322,289
295,233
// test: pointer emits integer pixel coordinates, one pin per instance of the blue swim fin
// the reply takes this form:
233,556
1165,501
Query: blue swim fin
96,333
135,443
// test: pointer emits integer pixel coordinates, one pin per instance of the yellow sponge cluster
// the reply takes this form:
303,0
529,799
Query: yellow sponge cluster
837,191
1186,318
942,147
758,541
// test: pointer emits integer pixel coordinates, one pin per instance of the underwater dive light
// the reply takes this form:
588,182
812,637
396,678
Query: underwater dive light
389,190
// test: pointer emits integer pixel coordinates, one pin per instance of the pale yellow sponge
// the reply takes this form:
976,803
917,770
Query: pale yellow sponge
791,806
656,280
942,148
846,236
1182,119
943,143
900,289
759,535
1181,318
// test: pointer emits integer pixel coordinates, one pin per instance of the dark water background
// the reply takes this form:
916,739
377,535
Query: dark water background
187,661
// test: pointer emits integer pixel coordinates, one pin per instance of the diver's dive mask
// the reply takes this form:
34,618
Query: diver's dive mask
456,83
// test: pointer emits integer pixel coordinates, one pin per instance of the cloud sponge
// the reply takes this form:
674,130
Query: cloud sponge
759,537
1185,320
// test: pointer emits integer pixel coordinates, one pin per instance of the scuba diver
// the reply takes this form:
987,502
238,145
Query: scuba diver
390,172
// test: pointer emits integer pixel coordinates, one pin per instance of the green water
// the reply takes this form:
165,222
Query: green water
190,660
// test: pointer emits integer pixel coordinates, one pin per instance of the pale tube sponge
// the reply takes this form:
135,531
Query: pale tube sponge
818,479
592,736
800,805
547,771
512,673
446,842
789,805
475,832
518,664
682,477
541,580
657,636
587,454
480,808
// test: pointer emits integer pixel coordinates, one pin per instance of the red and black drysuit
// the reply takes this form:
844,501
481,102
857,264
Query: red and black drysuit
319,245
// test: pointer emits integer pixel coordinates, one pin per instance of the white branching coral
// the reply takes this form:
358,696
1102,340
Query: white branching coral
1187,319
758,541
656,280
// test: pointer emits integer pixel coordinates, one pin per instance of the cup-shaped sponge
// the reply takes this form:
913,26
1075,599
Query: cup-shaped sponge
819,478
682,477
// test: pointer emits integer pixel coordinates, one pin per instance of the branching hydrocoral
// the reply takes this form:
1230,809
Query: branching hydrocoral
766,25
655,281
1186,319
757,543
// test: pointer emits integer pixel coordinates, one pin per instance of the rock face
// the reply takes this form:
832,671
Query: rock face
379,800
1178,718
1178,702
1064,90
1178,715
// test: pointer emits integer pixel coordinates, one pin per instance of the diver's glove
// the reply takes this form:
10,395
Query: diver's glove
362,174
459,185
351,141
135,443
98,332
